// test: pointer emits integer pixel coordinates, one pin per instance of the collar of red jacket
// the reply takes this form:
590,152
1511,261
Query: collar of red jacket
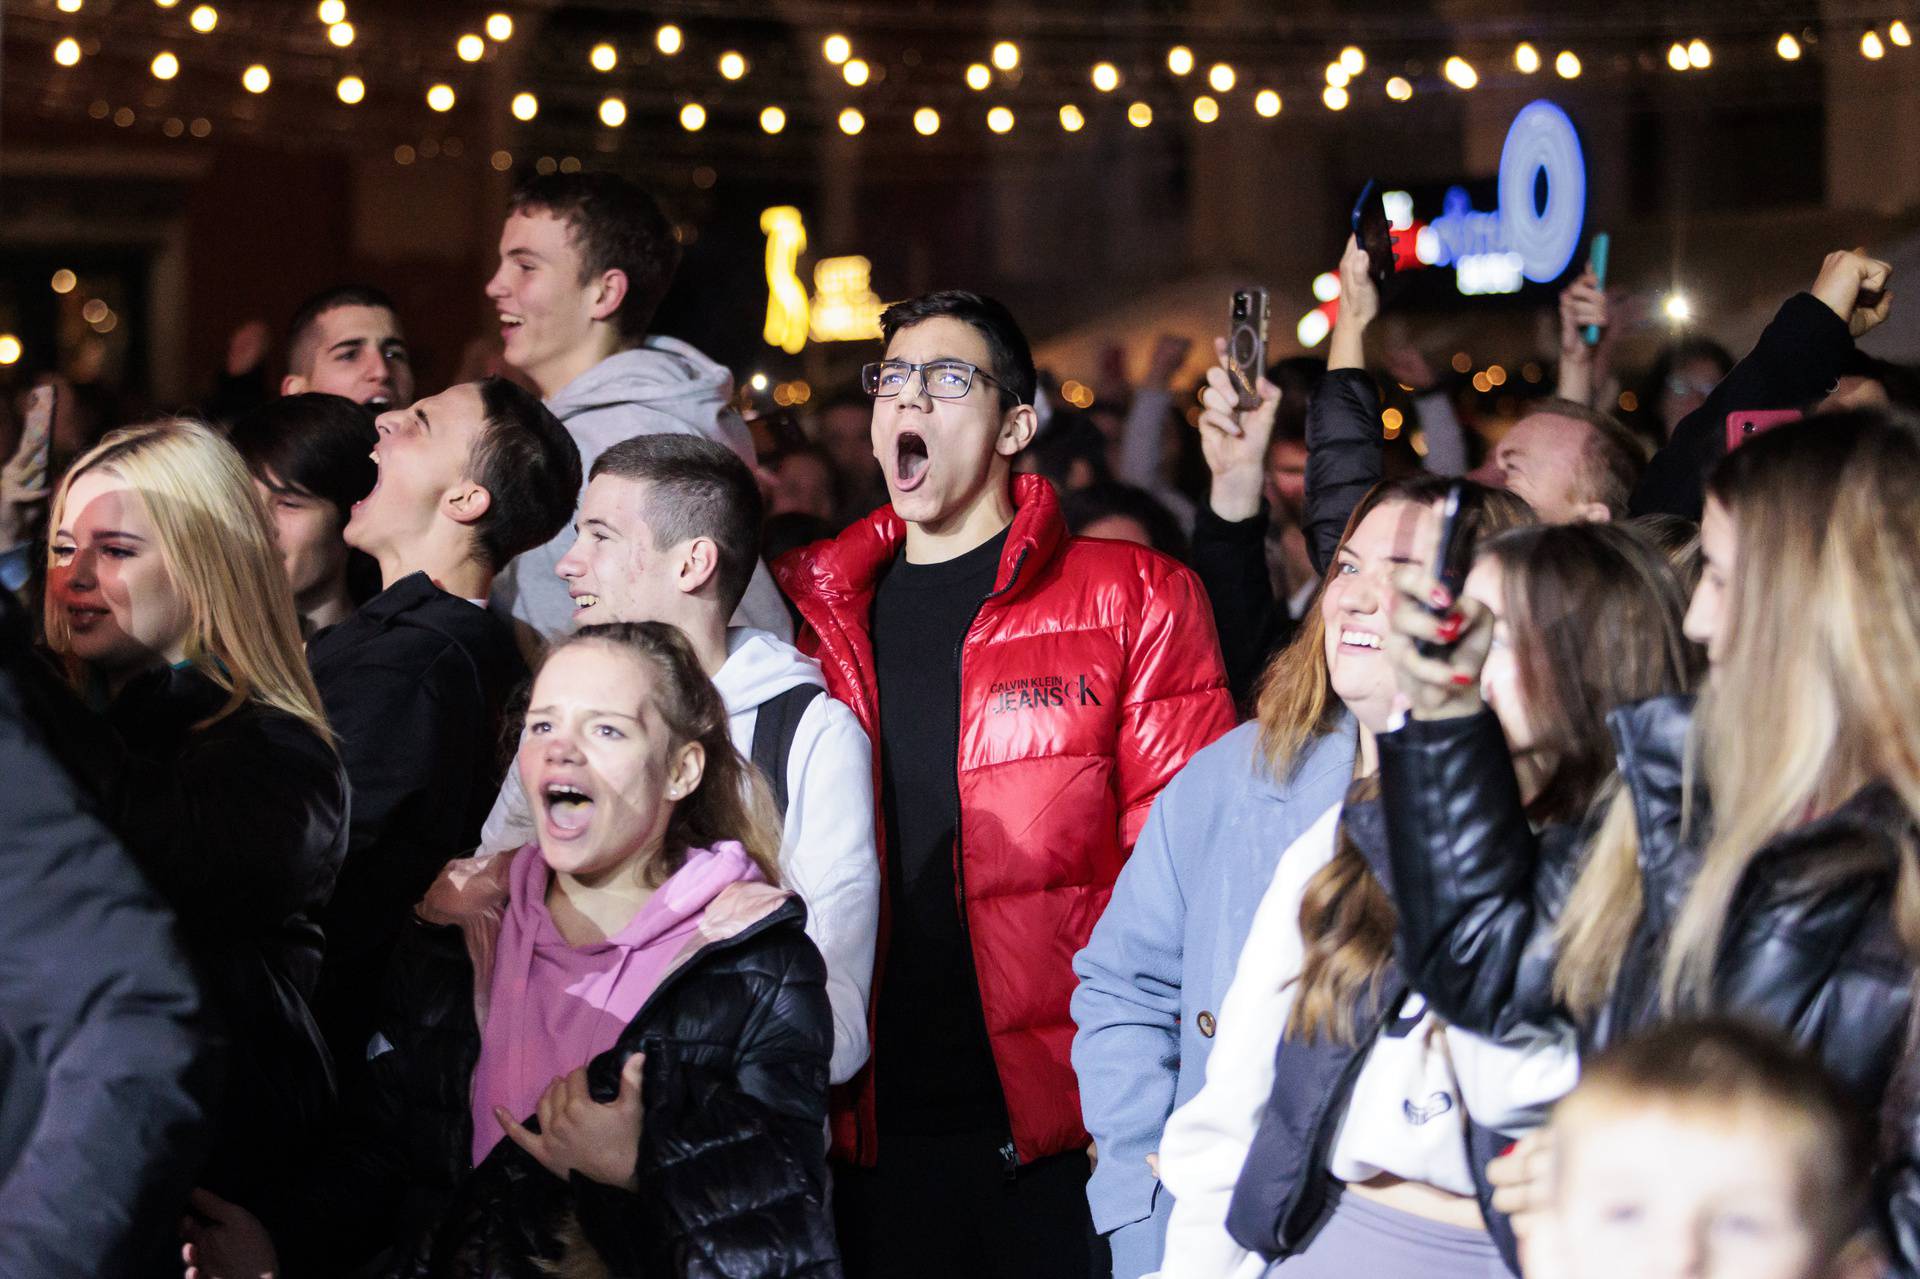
849,567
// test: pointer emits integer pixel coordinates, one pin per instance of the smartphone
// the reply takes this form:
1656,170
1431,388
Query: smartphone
1247,344
1373,232
1597,258
1452,557
1743,426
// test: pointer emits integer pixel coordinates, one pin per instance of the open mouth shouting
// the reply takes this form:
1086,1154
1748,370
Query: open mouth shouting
911,461
566,809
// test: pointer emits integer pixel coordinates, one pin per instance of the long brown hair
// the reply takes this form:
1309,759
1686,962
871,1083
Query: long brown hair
1347,920
731,802
1818,691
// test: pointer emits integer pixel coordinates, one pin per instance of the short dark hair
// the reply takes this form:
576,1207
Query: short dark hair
1084,506
617,226
1612,460
695,488
530,468
307,315
315,445
1007,350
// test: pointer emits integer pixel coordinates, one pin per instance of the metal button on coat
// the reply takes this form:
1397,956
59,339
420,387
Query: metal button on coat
1206,1024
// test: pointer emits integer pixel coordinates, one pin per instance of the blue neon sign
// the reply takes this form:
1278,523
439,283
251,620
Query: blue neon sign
1522,238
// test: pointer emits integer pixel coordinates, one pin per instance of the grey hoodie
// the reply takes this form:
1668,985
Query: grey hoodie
661,387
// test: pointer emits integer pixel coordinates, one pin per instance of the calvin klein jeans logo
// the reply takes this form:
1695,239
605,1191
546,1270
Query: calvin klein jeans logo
1040,691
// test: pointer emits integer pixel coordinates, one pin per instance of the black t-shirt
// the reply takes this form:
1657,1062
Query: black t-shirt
933,1067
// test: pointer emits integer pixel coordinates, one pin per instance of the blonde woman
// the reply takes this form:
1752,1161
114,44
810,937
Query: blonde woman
1761,860
166,600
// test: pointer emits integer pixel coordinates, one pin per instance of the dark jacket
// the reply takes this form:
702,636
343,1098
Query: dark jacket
732,1148
1285,1192
1797,361
416,685
106,1055
1229,556
1810,944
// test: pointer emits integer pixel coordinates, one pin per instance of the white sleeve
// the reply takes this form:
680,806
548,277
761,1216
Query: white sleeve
828,856
510,824
1207,1139
1509,1085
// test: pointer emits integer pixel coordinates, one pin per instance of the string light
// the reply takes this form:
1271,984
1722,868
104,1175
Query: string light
1677,57
1205,109
1567,64
256,79
203,19
978,77
10,349
330,11
1139,115
63,281
732,65
693,117
1000,120
1353,60
1699,56
525,106
69,6
1788,48
1870,46
165,66
772,119
469,48
1337,76
613,112
1071,120
1335,98
857,72
166,4
1221,77
341,34
1180,59
668,39
1460,73
1266,104
926,122
836,49
1006,55
603,57
1898,33
1106,77
440,97
499,28
1526,58
67,52
851,121
1399,88
351,89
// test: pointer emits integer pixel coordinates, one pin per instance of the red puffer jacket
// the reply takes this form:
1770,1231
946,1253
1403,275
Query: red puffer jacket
1089,677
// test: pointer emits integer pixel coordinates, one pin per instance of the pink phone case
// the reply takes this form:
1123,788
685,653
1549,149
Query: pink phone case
1742,427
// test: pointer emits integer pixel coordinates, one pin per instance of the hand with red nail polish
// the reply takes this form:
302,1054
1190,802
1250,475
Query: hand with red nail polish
1437,645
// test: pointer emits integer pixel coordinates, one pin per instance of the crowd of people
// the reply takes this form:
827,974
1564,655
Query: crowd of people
559,825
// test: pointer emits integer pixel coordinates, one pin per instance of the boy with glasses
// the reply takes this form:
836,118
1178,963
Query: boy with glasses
1028,694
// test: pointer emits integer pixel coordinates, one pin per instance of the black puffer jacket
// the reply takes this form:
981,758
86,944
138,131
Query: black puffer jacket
1810,944
732,1147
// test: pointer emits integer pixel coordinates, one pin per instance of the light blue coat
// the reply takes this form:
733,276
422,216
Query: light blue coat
1160,960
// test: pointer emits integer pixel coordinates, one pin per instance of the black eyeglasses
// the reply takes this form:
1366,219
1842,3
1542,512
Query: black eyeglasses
944,379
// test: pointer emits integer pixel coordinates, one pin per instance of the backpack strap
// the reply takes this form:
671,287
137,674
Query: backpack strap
774,729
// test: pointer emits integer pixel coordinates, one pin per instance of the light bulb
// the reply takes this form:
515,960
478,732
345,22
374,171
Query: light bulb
525,106
603,57
613,112
772,119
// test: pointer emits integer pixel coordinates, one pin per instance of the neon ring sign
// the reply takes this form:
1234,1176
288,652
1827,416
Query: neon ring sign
1525,238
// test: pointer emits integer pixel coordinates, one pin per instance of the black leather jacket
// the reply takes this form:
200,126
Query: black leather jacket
732,1153
1810,944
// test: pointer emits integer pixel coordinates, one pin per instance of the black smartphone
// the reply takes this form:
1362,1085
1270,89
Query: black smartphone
1373,232
1247,344
1452,557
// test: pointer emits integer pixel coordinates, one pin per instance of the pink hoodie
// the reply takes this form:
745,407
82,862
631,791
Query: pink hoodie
547,1007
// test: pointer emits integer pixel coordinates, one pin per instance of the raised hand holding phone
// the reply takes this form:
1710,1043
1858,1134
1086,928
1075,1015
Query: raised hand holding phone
1234,439
1439,638
1359,307
24,482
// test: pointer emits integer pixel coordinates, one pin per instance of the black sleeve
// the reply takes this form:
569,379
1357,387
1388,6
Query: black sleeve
1466,880
1230,559
100,1018
1796,361
1345,458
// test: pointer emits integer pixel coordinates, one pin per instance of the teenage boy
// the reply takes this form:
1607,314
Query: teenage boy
584,260
1029,694
669,532
415,682
347,341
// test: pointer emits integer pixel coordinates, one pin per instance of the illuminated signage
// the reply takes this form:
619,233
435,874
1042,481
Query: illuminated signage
1527,237
844,307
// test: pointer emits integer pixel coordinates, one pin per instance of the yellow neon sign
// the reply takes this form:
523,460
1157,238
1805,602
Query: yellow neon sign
786,296
844,307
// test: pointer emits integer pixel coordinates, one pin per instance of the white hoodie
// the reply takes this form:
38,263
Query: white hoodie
662,387
827,852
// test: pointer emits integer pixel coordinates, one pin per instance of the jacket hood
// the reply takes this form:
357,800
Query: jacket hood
662,374
760,667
